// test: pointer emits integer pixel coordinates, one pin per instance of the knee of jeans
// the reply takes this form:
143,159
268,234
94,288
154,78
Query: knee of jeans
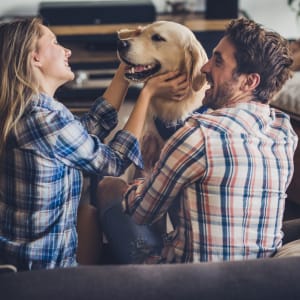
141,249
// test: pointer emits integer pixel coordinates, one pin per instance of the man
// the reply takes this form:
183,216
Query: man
223,176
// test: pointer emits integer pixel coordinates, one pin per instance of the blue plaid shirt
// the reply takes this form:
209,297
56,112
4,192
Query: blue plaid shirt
41,178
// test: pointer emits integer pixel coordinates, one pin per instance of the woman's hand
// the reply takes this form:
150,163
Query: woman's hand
171,85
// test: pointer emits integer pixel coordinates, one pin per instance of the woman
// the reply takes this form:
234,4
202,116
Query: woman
44,148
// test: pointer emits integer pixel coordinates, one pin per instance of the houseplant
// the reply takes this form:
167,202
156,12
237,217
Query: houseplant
295,6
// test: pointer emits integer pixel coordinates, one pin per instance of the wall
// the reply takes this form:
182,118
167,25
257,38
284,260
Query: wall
274,14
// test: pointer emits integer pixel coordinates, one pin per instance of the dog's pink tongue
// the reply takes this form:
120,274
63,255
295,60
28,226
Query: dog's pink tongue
132,69
139,68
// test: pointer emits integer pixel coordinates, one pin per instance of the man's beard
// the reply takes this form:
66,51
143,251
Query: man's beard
225,93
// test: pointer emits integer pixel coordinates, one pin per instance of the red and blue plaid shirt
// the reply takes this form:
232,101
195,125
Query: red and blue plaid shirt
41,179
223,178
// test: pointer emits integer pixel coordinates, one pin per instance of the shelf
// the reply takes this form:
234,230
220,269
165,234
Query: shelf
94,51
195,22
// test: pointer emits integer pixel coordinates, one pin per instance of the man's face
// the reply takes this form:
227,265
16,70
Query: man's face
220,72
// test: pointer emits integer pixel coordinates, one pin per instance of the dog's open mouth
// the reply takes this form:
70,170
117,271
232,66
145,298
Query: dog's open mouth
140,72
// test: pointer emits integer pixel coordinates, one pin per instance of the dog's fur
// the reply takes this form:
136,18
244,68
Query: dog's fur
155,49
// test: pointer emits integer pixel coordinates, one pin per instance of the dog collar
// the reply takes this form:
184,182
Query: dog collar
166,130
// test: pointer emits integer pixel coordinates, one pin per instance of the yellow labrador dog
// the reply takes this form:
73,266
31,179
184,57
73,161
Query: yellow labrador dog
155,49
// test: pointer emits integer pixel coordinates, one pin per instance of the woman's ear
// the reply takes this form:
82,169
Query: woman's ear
35,59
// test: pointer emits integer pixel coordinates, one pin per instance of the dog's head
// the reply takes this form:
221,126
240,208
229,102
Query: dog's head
161,47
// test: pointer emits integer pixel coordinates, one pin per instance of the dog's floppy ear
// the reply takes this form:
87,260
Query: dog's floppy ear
195,57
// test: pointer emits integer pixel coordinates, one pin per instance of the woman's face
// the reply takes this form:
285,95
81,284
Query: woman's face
52,61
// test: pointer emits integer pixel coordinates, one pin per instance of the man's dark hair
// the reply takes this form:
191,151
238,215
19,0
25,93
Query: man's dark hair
260,51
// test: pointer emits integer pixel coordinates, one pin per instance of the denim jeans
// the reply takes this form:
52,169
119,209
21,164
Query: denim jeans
129,242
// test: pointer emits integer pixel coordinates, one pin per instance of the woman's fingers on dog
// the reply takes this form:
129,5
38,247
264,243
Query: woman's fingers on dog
165,81
172,85
183,85
178,85
168,76
181,78
177,76
181,89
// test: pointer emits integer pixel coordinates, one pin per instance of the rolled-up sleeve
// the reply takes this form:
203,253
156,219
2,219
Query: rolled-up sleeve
101,119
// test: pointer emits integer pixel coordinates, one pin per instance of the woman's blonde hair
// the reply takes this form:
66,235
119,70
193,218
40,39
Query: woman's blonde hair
18,39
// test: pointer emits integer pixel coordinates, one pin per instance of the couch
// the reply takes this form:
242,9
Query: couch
268,278
272,278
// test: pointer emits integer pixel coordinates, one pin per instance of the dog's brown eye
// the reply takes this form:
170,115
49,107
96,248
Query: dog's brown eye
158,38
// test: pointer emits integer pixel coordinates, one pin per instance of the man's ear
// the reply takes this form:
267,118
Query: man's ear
251,81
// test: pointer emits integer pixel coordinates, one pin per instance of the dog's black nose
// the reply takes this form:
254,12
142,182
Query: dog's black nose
122,44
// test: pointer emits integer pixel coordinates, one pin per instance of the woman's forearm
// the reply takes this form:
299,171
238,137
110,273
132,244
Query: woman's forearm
137,117
117,90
